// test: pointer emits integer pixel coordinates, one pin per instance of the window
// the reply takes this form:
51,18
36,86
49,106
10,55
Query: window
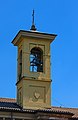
36,60
8,118
20,64
19,95
18,119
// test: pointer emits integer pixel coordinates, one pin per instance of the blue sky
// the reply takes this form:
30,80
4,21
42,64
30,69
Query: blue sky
51,16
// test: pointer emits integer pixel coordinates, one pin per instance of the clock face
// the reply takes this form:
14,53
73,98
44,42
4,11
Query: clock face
36,61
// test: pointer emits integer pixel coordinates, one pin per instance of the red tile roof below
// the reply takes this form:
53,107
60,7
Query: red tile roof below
72,110
7,100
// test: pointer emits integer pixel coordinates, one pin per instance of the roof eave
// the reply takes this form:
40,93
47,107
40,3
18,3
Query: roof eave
32,34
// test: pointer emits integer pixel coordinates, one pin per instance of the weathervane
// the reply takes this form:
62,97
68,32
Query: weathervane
33,25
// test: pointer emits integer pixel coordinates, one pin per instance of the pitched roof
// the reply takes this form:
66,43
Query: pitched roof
10,104
7,100
72,110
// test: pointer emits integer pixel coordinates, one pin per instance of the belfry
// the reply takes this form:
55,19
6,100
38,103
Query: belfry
33,79
33,100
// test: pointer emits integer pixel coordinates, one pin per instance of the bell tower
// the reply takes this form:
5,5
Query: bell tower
33,68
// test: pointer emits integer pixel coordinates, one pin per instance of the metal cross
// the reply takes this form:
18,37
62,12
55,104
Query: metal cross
33,18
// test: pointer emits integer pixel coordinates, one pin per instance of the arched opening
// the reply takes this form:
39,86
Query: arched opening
36,60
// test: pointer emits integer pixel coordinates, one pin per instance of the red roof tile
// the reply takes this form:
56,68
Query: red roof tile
60,109
7,100
72,110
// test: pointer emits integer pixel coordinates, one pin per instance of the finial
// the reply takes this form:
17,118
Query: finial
33,25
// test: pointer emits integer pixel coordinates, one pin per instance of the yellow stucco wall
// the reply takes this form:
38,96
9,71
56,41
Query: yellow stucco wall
34,88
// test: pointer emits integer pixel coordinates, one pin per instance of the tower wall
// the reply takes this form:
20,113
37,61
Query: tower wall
33,86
